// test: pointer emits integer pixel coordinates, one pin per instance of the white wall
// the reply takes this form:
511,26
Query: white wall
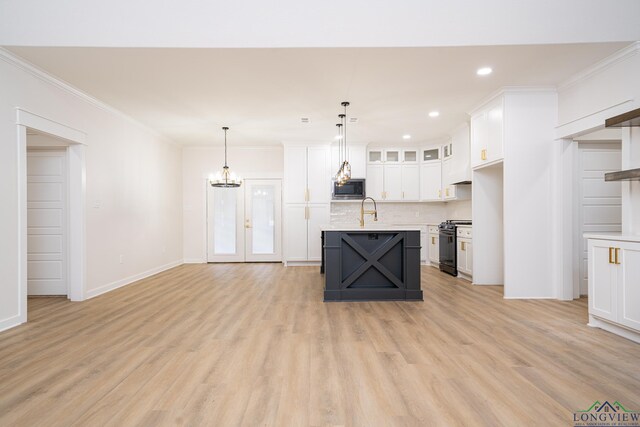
330,23
198,163
131,174
459,209
529,135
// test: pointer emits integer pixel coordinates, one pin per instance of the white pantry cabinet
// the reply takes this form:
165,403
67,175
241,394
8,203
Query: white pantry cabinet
302,231
307,174
614,284
487,134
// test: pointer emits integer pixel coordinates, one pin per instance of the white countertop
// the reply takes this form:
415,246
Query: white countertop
613,236
368,227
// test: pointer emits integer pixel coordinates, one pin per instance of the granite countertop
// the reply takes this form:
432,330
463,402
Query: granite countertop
613,236
368,227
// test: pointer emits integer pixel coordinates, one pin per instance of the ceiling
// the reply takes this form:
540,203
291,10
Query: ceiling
261,94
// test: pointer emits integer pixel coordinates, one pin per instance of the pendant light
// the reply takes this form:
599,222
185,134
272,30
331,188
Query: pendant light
344,170
226,179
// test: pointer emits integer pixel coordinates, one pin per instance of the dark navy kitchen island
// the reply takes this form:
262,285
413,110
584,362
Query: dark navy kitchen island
371,264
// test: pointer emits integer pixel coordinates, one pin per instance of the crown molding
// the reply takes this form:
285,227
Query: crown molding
509,89
235,147
619,56
22,64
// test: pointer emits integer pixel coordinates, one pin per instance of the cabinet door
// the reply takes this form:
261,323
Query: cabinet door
469,253
478,138
461,169
410,156
295,232
449,189
410,182
375,181
629,284
392,182
358,161
317,215
295,174
318,175
494,132
392,156
431,181
462,259
434,248
602,280
424,247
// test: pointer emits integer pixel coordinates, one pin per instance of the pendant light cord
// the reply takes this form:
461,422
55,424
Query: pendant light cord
225,145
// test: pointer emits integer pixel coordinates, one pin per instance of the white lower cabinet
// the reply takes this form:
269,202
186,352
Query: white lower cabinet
302,231
434,245
614,284
464,252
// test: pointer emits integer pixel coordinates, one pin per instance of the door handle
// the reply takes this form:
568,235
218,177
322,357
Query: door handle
483,154
611,256
247,224
617,254
306,194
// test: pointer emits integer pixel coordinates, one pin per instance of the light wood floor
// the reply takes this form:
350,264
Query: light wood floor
254,344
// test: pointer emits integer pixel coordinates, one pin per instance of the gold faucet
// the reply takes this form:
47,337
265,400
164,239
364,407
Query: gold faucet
374,212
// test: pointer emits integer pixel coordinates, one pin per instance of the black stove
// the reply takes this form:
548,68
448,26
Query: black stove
448,245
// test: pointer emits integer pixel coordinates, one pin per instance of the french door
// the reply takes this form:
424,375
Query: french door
244,224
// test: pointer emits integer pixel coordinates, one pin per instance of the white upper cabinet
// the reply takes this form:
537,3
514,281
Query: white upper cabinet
357,156
392,155
409,156
460,168
375,181
487,134
410,182
307,175
431,181
392,182
374,156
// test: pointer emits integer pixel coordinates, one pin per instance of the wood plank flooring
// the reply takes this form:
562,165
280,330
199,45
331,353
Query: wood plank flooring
253,344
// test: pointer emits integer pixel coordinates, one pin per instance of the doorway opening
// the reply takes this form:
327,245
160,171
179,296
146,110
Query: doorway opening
598,203
244,224
51,209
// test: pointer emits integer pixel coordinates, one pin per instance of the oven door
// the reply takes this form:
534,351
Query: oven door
352,189
448,261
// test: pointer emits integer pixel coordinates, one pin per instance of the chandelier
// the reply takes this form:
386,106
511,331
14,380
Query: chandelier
226,178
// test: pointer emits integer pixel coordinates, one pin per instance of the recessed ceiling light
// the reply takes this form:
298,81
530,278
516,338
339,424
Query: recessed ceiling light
434,114
406,136
484,71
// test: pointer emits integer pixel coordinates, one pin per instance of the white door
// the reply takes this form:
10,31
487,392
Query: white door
375,181
263,227
392,182
600,202
410,182
225,224
47,257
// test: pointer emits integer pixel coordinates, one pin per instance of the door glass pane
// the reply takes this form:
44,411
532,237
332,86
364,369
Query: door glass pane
410,156
393,156
428,155
263,219
375,156
224,220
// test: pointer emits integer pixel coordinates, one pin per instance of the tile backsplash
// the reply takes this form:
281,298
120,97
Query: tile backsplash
348,213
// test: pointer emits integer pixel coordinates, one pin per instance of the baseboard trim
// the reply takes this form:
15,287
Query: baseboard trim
129,280
530,297
301,263
629,334
194,261
10,322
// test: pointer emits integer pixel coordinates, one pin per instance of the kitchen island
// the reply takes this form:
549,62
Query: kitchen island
375,263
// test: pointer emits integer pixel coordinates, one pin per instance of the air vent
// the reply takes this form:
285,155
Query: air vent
353,120
305,120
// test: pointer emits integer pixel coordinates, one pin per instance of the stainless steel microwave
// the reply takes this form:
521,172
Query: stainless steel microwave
354,189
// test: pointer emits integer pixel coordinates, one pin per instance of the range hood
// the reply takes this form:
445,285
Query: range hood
628,119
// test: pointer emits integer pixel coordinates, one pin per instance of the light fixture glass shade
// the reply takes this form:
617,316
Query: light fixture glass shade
226,178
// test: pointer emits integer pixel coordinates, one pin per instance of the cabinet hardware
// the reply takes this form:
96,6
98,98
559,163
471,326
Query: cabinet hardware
433,240
306,212
483,154
403,194
306,194
610,255
617,254
439,194
247,224
447,192
462,246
